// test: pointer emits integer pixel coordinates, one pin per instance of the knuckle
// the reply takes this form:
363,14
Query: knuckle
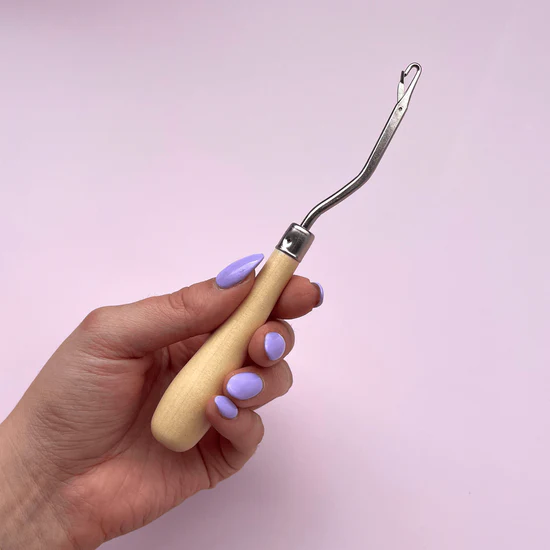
260,429
95,334
291,336
286,377
287,326
290,378
185,300
98,320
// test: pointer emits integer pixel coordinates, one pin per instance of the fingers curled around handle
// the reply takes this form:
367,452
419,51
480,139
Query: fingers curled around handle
271,343
253,387
241,432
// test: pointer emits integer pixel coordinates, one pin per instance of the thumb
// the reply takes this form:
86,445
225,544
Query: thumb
139,328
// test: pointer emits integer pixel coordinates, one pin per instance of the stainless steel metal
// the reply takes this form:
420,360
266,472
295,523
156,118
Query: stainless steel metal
403,97
295,242
401,86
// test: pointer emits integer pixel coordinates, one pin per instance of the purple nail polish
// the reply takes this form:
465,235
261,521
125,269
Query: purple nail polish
238,271
321,294
244,385
226,407
274,345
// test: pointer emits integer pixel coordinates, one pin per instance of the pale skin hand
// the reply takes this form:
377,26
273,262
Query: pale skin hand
78,463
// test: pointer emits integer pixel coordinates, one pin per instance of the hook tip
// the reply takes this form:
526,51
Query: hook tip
401,92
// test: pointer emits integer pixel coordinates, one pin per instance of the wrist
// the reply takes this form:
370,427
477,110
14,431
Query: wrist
31,513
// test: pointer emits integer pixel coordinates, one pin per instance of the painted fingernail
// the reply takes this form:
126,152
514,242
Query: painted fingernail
274,345
244,385
226,407
321,294
238,271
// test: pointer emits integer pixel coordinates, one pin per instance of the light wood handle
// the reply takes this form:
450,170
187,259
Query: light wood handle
179,421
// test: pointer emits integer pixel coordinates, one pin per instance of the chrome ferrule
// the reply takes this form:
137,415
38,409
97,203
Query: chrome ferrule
296,242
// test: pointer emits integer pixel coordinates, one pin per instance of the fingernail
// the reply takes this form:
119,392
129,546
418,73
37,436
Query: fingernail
321,294
226,407
244,385
274,345
238,271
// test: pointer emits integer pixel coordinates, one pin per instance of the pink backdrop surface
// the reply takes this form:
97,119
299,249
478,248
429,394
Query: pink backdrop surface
145,145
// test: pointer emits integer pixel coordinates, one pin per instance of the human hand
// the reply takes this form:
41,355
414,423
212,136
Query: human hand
78,463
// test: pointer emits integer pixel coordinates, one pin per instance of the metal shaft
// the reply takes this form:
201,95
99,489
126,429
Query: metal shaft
298,238
378,151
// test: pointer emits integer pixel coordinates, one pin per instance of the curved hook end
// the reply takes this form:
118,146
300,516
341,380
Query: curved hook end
401,91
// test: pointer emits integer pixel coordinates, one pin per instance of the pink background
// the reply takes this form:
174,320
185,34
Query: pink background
145,145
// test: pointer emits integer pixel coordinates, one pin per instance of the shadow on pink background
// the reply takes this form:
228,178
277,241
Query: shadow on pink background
146,146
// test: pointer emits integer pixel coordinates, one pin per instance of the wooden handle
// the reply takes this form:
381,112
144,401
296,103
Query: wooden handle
179,421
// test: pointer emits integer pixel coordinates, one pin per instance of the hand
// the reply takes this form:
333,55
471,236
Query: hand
78,463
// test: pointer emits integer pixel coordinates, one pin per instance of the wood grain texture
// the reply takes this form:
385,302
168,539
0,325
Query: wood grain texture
179,421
